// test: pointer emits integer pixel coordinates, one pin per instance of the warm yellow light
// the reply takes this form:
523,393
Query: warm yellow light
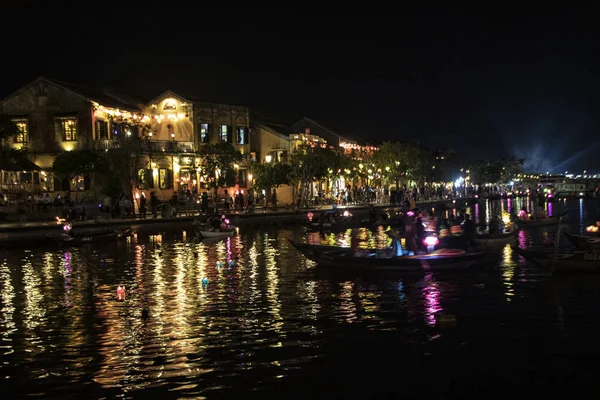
268,158
236,166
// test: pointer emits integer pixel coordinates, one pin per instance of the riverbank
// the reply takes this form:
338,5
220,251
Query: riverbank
29,233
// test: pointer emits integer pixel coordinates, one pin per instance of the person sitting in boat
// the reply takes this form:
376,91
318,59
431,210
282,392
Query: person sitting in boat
496,225
215,224
419,231
395,250
468,228
523,214
540,213
224,225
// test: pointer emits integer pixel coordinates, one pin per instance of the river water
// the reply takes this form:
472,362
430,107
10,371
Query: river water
273,325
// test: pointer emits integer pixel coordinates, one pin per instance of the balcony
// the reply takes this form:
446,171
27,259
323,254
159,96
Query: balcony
152,146
168,146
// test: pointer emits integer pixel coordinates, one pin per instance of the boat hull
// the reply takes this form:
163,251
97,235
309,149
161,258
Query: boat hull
335,226
576,261
419,263
584,242
63,240
501,239
313,251
537,223
214,234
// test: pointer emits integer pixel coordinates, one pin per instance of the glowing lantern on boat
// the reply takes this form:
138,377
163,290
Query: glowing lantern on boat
67,228
347,213
592,229
431,241
310,216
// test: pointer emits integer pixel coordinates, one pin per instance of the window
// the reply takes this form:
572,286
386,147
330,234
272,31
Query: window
242,133
204,130
23,135
165,178
116,130
101,129
170,106
67,128
224,132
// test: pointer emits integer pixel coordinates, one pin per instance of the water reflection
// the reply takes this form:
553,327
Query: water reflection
267,317
431,295
508,265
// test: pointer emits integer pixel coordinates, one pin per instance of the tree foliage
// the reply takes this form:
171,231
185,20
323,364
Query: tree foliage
125,158
496,172
7,127
217,163
271,175
80,162
309,164
401,161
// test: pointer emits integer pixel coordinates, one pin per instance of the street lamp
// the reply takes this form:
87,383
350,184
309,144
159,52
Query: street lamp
268,158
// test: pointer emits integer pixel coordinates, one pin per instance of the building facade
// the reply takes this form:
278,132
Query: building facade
54,117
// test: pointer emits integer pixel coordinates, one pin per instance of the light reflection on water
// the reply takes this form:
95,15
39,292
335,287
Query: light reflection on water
264,319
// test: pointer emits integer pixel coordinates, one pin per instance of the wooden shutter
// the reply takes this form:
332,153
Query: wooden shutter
229,134
169,179
149,179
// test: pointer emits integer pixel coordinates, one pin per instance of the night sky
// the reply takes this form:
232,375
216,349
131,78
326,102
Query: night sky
515,83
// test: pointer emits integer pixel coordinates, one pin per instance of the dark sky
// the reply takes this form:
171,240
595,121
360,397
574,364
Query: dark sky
516,81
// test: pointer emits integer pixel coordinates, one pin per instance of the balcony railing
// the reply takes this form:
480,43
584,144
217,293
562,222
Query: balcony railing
168,146
153,146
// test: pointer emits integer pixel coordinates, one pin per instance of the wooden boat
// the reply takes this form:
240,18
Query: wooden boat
584,242
63,239
573,261
216,234
313,251
334,226
438,260
536,223
335,220
500,239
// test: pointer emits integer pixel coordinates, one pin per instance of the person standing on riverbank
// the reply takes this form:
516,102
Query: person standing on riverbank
143,205
154,205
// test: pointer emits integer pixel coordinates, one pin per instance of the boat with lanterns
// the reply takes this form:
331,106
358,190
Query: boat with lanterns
70,237
214,228
334,219
591,241
393,258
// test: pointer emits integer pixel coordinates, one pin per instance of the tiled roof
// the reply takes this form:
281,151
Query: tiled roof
98,96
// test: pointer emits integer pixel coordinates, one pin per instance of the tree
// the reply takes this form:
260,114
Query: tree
511,168
401,161
87,163
308,164
216,163
268,176
125,157
7,127
80,162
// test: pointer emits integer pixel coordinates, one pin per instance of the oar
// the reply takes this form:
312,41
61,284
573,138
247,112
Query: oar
557,241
